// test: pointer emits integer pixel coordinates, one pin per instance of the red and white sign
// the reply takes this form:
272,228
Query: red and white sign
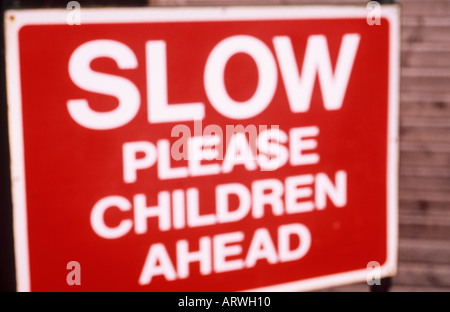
203,149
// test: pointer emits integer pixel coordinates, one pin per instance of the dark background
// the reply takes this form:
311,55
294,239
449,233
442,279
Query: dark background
7,268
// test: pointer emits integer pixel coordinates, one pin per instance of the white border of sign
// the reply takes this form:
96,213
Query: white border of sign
16,19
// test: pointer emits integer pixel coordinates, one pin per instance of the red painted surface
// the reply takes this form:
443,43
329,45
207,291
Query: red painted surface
69,168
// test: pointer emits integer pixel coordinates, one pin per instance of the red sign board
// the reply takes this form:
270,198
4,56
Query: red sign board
202,149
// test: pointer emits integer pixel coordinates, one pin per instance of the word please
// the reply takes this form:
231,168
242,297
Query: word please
276,148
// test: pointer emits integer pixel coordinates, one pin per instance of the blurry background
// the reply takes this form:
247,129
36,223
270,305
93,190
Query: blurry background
424,170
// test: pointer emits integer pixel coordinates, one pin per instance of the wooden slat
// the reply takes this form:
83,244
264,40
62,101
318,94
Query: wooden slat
439,195
428,147
425,8
425,21
425,110
426,134
426,46
425,219
426,72
421,158
417,207
424,251
424,84
426,122
424,275
423,209
430,59
431,97
425,183
423,231
421,33
423,171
